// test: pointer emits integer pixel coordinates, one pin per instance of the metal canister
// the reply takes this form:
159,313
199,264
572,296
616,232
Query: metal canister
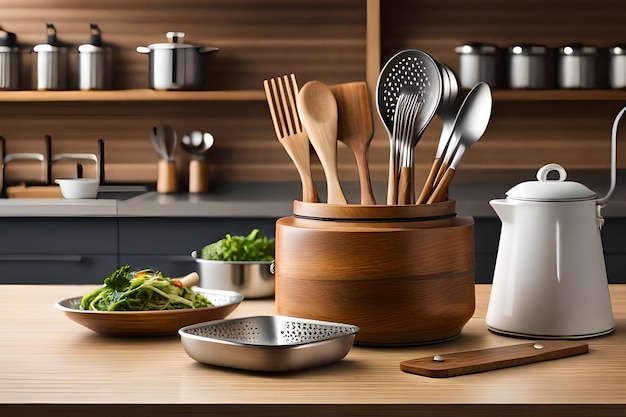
527,66
617,66
9,61
51,62
478,62
577,66
94,63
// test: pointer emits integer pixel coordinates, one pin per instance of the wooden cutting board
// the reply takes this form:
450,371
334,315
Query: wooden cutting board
36,191
474,361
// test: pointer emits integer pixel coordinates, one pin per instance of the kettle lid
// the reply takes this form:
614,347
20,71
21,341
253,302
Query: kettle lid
545,189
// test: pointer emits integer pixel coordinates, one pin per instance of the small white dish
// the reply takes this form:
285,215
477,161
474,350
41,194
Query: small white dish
78,187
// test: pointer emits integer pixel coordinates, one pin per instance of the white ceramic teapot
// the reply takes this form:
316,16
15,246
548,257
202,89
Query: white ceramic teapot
550,277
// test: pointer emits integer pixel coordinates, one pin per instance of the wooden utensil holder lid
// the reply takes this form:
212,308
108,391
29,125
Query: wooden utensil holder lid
403,274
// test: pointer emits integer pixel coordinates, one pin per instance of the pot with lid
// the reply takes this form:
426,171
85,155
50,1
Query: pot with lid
176,65
9,61
577,66
479,62
527,66
51,62
617,66
550,277
94,62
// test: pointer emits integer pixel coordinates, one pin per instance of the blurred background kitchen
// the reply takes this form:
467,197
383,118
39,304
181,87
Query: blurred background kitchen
539,121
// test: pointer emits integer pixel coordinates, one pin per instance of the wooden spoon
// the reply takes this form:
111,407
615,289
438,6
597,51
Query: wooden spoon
318,110
356,129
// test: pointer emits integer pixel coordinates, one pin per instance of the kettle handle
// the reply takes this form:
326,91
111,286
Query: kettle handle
602,201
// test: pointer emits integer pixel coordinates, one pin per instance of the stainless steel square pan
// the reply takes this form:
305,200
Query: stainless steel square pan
268,343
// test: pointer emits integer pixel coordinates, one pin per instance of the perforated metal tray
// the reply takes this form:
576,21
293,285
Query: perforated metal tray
268,343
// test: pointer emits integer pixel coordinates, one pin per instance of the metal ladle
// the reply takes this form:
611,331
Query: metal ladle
197,143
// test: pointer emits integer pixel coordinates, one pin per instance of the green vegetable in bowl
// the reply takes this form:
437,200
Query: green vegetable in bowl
146,289
254,247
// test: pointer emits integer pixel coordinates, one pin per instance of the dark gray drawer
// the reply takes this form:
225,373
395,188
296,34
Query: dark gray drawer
55,268
97,236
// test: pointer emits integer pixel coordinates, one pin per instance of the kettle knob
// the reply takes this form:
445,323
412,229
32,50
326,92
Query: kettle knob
542,173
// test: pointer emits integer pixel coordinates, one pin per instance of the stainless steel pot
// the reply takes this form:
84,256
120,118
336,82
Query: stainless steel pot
577,66
94,63
478,62
252,279
175,65
527,66
9,61
617,66
51,62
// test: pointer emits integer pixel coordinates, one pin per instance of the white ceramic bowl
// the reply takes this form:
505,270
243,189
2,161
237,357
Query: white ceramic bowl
78,187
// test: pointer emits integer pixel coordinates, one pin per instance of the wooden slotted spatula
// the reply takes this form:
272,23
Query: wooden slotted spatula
356,129
281,93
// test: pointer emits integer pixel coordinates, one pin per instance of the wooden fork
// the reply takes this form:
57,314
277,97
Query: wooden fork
281,93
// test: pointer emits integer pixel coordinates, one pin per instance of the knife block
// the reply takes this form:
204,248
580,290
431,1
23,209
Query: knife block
403,274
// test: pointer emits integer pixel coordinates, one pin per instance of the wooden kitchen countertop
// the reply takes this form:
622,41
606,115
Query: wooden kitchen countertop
51,366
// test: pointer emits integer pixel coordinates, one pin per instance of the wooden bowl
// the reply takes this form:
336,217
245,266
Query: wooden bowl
403,274
151,323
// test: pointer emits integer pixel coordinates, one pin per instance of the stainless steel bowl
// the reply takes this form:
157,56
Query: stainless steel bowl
252,279
268,343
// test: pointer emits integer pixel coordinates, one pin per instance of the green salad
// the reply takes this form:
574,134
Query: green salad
254,247
146,289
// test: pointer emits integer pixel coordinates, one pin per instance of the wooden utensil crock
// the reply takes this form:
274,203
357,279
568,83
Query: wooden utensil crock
403,274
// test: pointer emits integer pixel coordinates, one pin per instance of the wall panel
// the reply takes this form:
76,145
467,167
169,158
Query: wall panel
322,40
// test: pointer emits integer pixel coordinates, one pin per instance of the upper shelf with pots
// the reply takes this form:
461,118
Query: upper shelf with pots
140,95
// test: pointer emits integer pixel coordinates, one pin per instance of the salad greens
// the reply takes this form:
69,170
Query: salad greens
254,247
145,289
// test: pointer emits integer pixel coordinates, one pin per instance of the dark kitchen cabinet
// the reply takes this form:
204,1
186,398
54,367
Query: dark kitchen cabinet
85,250
57,250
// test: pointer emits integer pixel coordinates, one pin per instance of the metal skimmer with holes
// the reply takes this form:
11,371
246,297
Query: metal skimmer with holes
408,68
268,343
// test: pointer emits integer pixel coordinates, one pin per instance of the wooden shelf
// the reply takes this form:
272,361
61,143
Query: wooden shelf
559,95
137,95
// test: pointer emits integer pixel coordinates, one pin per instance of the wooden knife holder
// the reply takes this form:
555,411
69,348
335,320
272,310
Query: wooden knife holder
403,274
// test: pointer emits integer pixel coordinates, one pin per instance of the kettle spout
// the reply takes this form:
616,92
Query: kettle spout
503,208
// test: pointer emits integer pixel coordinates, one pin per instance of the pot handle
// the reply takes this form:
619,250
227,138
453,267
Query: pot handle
602,201
143,49
207,49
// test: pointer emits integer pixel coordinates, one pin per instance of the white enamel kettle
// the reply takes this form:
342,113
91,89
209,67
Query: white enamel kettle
550,277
